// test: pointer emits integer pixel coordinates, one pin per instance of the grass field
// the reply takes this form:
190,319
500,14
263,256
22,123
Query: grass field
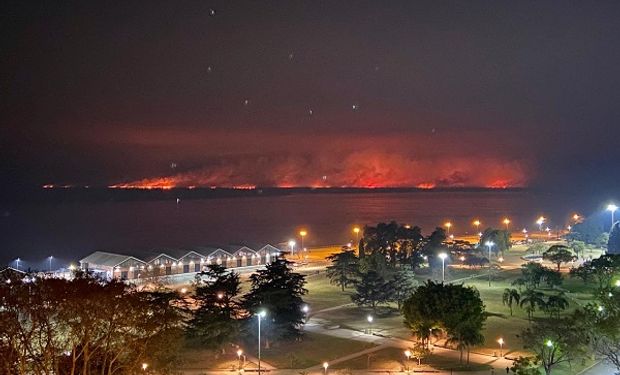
313,350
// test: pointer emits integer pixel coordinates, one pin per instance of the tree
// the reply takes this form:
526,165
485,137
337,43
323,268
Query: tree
525,366
555,341
215,321
613,244
344,270
372,290
402,286
579,247
558,254
105,326
588,231
555,304
509,297
537,248
278,291
532,300
500,237
455,309
601,270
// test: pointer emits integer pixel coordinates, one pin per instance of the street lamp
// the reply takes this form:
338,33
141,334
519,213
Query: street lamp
239,353
302,234
17,263
408,354
506,221
477,224
325,366
260,315
500,341
356,230
305,309
443,257
144,366
50,259
370,319
549,343
541,220
291,244
489,245
612,207
448,225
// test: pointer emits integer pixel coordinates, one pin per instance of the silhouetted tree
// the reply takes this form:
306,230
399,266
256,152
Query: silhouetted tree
344,270
372,290
559,254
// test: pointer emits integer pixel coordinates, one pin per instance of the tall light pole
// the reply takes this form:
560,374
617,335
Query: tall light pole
50,259
448,225
506,222
370,319
17,263
612,207
500,341
291,244
477,223
260,315
302,234
239,353
489,245
356,230
443,257
540,221
325,366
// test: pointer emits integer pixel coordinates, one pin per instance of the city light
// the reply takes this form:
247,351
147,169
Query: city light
506,222
612,208
443,257
540,221
303,233
500,341
477,223
448,225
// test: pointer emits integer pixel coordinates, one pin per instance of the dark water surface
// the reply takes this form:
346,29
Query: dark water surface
69,231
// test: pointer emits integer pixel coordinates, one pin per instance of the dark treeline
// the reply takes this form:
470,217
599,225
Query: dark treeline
90,326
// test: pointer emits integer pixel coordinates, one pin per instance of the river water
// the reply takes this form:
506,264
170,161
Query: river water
71,230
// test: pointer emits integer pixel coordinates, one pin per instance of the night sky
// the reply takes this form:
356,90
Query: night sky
311,93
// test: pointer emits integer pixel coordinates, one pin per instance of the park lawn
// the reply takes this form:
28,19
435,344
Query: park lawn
392,359
198,358
322,294
313,350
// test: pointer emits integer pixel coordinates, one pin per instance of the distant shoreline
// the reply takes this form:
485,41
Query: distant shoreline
104,194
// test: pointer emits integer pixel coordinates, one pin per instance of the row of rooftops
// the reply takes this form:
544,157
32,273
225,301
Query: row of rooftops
180,255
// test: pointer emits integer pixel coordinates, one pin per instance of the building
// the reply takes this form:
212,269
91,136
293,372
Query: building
163,262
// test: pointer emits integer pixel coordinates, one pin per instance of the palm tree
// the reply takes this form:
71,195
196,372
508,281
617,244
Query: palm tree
532,300
509,297
556,304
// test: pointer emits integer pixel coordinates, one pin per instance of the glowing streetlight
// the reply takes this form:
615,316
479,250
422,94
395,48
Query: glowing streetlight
477,223
618,283
612,207
356,230
408,354
305,309
576,217
50,260
302,234
260,315
291,244
145,366
239,353
17,263
448,225
500,341
506,222
325,366
443,257
489,245
369,318
540,221
549,343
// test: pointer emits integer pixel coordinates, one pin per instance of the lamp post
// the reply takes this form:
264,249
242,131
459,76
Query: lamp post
443,257
305,309
489,245
500,341
50,259
541,220
144,366
17,263
325,366
506,222
260,315
370,319
477,224
302,234
612,207
356,230
239,353
448,225
291,244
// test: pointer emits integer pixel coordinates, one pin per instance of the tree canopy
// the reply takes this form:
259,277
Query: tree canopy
344,270
559,254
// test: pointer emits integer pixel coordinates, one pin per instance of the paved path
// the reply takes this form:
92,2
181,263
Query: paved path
318,326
